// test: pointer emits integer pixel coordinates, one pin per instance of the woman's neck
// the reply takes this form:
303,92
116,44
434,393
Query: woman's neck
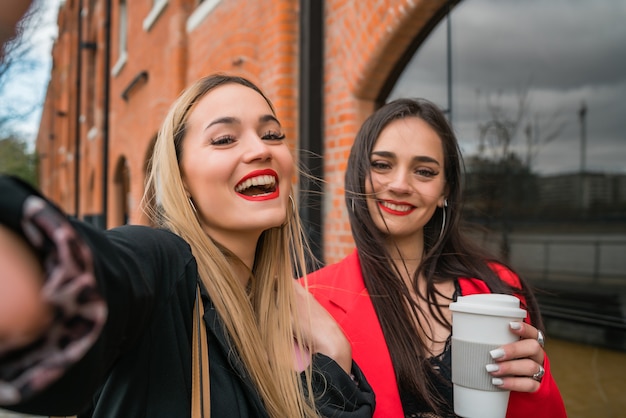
241,272
406,253
243,246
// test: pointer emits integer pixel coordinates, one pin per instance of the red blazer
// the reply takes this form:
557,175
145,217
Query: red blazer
341,290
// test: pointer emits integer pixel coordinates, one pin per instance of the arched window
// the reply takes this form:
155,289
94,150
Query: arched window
121,191
534,91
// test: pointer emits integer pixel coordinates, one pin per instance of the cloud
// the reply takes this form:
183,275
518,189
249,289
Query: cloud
559,54
531,39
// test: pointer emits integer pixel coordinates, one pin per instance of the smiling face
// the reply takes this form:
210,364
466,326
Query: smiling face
407,182
236,167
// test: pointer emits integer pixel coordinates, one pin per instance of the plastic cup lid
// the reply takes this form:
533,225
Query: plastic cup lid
489,304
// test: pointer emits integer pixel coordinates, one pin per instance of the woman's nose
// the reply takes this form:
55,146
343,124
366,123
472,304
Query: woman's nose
399,182
257,149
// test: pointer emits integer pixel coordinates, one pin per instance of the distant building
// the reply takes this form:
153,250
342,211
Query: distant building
583,191
326,65
119,64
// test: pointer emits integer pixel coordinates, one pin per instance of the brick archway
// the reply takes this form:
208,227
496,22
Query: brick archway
365,42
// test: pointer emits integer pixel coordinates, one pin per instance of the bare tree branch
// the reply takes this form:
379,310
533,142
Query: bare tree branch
16,59
498,135
541,130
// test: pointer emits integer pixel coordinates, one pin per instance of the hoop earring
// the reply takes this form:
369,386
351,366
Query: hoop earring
443,215
192,205
352,205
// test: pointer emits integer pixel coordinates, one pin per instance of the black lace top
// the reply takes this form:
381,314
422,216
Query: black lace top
441,376
415,407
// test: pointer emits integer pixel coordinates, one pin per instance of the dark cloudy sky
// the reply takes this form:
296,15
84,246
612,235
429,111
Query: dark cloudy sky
559,53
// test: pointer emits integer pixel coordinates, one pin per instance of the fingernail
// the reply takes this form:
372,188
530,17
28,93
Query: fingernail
497,353
497,381
515,325
492,367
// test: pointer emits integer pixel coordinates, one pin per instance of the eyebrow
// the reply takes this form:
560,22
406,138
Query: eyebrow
416,159
231,120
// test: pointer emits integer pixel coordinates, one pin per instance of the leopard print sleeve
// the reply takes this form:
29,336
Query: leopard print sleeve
70,287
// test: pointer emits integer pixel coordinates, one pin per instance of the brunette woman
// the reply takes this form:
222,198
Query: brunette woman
391,296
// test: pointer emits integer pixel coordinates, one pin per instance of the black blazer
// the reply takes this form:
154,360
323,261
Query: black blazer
140,365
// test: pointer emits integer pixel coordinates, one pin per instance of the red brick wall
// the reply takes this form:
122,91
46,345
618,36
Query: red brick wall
257,39
134,120
54,141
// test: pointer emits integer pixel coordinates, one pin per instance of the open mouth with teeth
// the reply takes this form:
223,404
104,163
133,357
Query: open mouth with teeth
258,187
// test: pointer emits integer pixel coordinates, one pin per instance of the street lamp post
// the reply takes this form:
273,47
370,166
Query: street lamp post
582,114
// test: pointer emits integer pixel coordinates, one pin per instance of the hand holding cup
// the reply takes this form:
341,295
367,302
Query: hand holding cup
480,324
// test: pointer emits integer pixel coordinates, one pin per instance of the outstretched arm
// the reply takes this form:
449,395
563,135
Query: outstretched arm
23,313
51,312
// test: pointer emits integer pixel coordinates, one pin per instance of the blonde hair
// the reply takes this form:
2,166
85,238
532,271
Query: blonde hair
259,321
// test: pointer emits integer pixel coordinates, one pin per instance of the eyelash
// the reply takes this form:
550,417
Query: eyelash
276,136
379,165
426,173
223,140
229,139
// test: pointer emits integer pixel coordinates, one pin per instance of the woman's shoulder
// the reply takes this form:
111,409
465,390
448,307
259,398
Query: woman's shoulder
472,285
148,239
347,266
505,273
146,232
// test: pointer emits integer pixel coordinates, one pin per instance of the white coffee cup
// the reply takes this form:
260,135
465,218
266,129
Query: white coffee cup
480,323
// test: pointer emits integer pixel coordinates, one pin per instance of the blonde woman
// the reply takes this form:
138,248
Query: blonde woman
102,321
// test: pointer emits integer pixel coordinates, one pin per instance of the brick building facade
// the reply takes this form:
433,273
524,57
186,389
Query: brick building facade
119,64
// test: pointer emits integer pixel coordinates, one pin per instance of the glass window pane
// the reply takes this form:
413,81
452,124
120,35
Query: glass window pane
538,105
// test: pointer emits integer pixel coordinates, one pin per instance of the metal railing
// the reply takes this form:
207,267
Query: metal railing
582,260
581,279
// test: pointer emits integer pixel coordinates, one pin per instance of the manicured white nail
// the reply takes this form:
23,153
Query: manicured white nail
492,367
497,353
497,381
515,325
